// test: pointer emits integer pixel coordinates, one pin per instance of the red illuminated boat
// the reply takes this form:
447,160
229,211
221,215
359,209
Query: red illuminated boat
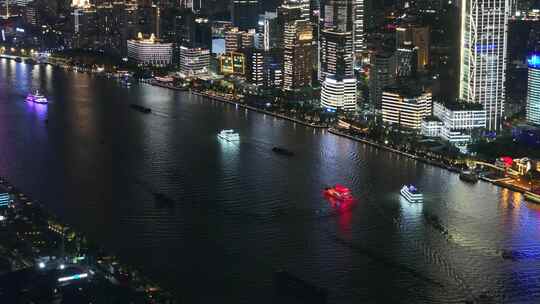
339,192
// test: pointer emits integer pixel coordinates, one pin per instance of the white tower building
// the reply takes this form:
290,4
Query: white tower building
359,37
533,90
484,28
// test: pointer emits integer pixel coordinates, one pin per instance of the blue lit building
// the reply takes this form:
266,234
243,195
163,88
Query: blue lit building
5,200
533,90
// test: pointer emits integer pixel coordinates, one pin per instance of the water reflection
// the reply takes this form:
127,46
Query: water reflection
40,110
241,211
410,211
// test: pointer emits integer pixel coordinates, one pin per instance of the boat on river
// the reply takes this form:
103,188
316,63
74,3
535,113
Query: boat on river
36,98
229,135
339,192
411,193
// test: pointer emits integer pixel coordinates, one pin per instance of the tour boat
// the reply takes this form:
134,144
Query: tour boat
339,192
412,194
36,98
532,197
229,135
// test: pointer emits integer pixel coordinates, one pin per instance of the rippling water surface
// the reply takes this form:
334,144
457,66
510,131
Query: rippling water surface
240,211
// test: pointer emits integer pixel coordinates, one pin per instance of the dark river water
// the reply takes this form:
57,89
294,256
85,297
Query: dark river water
240,212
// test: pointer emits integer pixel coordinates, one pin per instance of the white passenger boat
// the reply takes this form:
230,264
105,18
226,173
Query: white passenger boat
412,194
229,135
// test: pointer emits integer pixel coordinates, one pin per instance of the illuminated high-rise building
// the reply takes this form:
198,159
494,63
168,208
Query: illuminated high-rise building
337,15
405,106
338,94
345,16
533,90
236,39
194,61
336,54
484,28
268,27
305,7
359,36
255,65
417,37
297,52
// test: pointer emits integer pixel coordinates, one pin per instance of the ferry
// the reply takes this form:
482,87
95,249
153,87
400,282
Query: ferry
412,194
468,176
282,151
338,192
229,135
36,98
532,197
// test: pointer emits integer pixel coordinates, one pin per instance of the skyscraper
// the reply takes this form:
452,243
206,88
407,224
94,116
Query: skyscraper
359,36
382,74
255,66
415,36
484,27
346,15
305,7
338,15
336,54
533,90
297,49
245,13
269,29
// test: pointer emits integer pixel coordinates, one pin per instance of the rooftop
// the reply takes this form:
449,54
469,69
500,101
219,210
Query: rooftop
407,91
432,118
461,105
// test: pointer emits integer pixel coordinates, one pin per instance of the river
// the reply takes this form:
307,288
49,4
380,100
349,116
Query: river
240,212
